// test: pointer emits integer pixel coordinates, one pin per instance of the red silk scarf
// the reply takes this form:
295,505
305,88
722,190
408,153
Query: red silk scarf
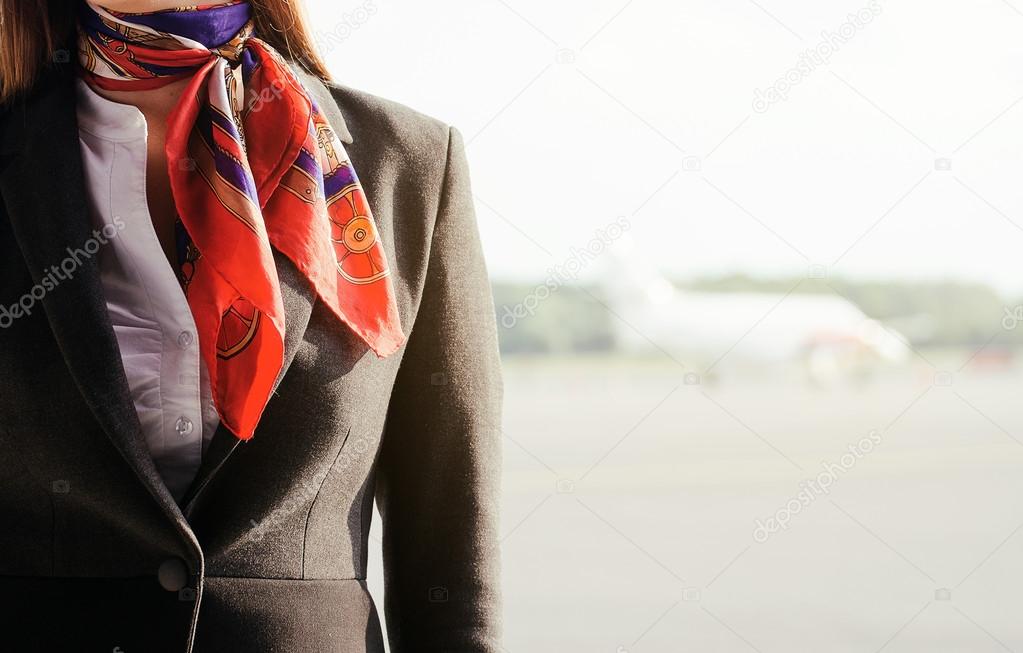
253,164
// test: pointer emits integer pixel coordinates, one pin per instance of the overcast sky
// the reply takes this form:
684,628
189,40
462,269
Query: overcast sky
895,154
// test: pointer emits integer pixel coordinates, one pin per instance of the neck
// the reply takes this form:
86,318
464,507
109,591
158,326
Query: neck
154,103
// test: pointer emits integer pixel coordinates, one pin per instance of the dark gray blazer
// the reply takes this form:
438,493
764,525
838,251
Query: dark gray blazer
268,550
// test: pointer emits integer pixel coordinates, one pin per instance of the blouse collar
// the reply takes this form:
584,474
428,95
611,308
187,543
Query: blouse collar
105,118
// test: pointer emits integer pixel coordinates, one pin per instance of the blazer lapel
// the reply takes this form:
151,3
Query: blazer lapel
299,299
44,190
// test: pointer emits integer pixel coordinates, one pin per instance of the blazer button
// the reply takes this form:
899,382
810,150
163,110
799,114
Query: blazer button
172,574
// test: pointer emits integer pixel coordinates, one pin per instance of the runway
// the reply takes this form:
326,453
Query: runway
633,495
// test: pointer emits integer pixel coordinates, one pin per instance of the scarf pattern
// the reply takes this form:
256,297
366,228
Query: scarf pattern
253,166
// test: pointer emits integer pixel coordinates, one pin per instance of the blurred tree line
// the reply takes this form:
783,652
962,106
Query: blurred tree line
576,319
572,319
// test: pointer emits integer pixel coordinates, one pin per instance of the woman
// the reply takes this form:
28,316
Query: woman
238,303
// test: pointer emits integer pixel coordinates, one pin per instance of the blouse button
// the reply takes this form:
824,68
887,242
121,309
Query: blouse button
183,426
184,339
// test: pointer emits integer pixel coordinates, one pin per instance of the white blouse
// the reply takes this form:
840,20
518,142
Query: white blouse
151,318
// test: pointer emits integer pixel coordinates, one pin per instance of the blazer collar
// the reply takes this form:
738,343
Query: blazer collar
323,98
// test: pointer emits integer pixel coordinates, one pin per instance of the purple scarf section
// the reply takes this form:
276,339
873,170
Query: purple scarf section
209,24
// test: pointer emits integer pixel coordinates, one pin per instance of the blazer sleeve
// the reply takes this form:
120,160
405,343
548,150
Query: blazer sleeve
439,469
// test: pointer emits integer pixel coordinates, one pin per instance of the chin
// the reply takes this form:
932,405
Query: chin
139,6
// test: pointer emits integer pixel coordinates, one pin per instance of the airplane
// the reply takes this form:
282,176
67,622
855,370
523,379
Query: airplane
716,334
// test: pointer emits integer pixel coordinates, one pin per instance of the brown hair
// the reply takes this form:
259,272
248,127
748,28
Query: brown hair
33,31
